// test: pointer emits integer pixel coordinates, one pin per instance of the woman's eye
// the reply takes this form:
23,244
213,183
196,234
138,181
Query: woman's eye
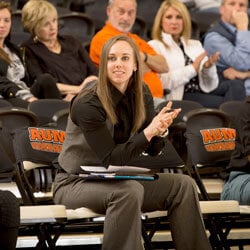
125,58
111,58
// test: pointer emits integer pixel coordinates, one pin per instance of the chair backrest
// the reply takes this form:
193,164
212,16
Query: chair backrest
4,103
79,25
18,35
60,118
96,9
209,137
46,108
15,117
147,10
35,150
12,118
210,142
140,28
205,19
232,109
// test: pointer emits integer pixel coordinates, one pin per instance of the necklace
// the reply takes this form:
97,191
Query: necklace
54,47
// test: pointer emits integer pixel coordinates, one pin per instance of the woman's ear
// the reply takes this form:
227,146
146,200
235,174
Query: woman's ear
135,67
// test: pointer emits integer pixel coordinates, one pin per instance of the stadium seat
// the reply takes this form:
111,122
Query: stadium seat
210,142
78,25
46,108
17,34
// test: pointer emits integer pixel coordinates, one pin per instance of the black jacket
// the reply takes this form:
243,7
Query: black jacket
239,160
8,88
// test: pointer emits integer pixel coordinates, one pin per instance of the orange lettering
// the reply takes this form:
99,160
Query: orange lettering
34,134
207,138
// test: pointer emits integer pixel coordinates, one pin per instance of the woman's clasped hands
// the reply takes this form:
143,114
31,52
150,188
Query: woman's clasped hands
161,122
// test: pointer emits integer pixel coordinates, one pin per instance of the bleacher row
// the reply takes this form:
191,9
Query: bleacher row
226,221
84,18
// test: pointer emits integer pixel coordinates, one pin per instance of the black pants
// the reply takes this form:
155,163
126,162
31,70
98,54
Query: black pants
45,87
228,90
9,220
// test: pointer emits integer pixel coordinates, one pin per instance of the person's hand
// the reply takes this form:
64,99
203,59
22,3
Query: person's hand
68,97
89,79
197,61
233,74
240,20
32,99
86,80
212,60
161,122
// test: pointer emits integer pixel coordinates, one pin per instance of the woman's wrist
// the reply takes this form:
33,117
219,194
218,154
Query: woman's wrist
165,134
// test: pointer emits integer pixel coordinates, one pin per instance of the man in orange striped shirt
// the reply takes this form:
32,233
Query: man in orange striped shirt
121,17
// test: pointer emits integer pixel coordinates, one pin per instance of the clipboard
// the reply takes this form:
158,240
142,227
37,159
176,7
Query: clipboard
117,173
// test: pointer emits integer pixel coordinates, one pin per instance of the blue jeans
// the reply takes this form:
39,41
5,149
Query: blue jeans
237,188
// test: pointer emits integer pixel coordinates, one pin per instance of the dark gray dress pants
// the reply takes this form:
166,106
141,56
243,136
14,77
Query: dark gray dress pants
123,201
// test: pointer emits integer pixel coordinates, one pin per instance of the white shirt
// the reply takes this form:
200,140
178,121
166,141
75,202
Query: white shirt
179,74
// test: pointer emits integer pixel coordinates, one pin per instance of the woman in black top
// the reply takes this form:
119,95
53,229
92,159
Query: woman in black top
63,57
112,122
14,79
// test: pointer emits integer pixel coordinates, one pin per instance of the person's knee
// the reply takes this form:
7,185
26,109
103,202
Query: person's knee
131,192
45,80
186,183
236,85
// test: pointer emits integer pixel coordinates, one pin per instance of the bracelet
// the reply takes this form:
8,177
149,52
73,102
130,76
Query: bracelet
165,134
146,57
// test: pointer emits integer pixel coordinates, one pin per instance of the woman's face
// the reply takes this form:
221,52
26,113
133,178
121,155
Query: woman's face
49,29
121,65
5,23
172,22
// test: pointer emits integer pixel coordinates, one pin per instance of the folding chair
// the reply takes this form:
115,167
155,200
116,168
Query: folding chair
60,118
77,24
232,109
46,222
10,119
97,11
18,35
210,142
35,149
46,108
140,28
4,103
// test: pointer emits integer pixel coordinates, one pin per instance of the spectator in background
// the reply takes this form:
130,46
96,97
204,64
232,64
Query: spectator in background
108,110
121,17
237,185
14,79
63,57
231,38
192,75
